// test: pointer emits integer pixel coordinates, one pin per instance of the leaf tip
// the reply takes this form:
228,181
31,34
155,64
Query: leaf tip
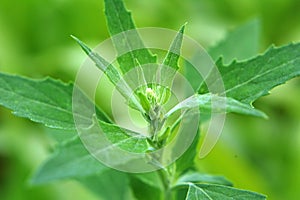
182,28
85,48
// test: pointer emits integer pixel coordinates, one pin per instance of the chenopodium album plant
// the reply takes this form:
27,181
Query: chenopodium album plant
49,102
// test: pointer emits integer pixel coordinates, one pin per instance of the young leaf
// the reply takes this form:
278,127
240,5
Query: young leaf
71,160
249,80
112,73
124,139
220,104
45,101
171,60
196,178
124,36
173,54
219,192
241,43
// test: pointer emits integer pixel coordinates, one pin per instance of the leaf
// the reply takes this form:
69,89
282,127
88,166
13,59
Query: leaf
186,161
171,59
191,74
151,179
241,43
61,136
71,160
112,73
249,80
173,54
110,184
196,177
147,186
124,36
219,192
45,101
220,104
124,139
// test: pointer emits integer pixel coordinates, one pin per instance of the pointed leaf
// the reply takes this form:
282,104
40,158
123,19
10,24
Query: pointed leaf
126,40
249,80
220,104
124,139
73,160
112,73
45,101
166,75
218,192
196,178
173,54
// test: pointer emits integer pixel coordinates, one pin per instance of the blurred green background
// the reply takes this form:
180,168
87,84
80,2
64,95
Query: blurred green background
256,154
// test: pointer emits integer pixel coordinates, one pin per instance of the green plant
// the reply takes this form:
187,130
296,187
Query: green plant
49,102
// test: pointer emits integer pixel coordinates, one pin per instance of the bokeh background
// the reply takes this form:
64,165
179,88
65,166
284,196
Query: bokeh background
256,154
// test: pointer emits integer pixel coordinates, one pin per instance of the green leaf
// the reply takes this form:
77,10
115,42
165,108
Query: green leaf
110,71
151,179
219,192
124,139
61,136
124,36
147,186
173,54
171,59
71,160
186,161
196,177
45,101
249,80
110,184
191,73
220,104
241,43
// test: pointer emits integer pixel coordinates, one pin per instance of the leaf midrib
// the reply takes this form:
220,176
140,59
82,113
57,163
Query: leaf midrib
55,107
260,75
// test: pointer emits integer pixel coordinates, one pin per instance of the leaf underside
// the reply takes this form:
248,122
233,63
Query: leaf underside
219,192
